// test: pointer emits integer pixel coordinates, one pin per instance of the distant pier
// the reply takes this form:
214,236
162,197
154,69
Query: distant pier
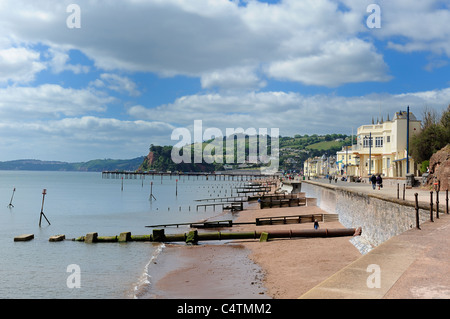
247,175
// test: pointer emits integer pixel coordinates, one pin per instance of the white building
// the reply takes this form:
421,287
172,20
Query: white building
381,148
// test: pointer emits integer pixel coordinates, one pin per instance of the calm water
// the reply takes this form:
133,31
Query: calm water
78,203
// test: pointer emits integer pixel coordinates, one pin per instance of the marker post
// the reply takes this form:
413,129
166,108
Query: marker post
44,192
12,196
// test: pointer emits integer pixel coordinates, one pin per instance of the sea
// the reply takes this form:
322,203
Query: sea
77,203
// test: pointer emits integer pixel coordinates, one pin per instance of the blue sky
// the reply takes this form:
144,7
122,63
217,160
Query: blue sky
135,70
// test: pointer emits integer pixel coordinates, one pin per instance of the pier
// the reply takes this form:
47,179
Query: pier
216,176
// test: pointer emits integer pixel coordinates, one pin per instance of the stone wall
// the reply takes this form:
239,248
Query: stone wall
440,168
380,218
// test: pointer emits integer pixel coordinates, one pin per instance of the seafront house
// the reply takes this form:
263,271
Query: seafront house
319,166
381,148
347,163
314,166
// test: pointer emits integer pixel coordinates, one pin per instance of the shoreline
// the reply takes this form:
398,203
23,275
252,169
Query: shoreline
249,269
206,271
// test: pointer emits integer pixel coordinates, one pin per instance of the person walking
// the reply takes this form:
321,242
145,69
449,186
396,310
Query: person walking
316,224
373,179
379,181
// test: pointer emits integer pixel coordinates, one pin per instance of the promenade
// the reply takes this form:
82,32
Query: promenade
412,265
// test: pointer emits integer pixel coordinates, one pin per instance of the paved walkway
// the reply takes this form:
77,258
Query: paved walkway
414,264
387,191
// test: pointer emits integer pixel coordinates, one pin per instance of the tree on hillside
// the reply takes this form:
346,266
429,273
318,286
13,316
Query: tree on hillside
434,136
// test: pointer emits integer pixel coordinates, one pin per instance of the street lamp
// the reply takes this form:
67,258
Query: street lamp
407,140
370,152
346,160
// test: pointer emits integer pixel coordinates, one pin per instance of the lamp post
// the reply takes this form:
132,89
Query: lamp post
407,140
370,152
346,160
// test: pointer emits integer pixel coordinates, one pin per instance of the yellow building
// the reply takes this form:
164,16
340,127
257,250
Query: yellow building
319,166
381,148
313,166
347,163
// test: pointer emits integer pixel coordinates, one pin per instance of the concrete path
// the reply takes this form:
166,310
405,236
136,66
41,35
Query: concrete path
387,191
414,264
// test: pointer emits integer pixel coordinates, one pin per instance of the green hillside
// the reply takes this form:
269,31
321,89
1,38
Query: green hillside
293,151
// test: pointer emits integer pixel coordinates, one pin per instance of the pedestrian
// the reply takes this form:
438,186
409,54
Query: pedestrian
316,224
373,179
379,182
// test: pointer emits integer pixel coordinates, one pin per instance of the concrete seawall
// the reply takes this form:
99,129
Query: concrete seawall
381,217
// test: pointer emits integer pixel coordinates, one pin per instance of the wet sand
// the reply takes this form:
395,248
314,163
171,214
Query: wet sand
206,271
281,268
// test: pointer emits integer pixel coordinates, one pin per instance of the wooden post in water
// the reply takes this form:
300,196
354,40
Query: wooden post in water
44,192
122,185
151,192
176,187
12,196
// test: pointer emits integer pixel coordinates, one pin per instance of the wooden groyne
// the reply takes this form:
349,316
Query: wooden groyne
261,221
286,202
233,206
194,236
296,219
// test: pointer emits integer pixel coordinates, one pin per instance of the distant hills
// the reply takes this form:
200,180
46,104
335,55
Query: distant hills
293,151
97,165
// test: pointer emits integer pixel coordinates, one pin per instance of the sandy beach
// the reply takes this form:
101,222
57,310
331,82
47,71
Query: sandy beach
279,269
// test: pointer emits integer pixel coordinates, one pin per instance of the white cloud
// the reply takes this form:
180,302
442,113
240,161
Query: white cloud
117,83
59,62
291,112
207,39
411,26
235,78
354,61
80,138
49,100
19,65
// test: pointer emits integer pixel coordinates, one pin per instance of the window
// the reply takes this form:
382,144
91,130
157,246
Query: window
388,139
379,141
366,141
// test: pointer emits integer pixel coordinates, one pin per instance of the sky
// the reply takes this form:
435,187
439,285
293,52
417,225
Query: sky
95,79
